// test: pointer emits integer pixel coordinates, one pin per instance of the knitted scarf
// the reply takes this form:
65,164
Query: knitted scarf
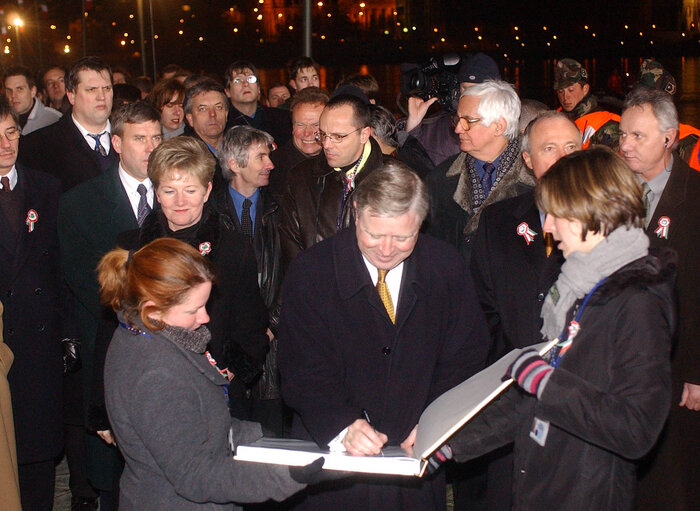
582,271
191,340
508,157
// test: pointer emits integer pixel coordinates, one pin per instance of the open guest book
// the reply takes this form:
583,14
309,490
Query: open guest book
438,422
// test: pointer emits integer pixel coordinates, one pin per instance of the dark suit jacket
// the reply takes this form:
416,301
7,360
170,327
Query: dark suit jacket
511,276
275,121
61,150
91,215
679,203
35,319
284,158
340,352
672,470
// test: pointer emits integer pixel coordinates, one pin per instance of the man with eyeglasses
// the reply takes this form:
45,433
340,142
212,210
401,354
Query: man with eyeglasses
317,202
78,146
488,169
243,90
35,318
306,108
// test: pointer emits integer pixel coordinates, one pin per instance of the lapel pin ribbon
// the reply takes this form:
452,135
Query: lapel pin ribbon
204,248
32,217
527,233
662,230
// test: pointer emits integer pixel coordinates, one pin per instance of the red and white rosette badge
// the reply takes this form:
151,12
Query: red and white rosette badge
204,248
662,230
527,233
32,217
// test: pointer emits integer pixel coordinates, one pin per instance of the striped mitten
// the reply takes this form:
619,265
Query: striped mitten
530,371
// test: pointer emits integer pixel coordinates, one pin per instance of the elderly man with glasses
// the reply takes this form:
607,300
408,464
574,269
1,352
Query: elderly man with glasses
318,201
243,89
488,169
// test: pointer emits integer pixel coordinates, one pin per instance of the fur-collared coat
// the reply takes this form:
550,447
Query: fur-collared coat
452,216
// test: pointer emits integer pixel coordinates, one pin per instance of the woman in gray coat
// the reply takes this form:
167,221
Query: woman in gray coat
166,399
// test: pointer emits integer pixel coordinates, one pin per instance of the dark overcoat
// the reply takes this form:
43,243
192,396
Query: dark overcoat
35,319
62,151
238,314
340,353
452,217
512,276
605,404
670,481
284,158
275,121
91,215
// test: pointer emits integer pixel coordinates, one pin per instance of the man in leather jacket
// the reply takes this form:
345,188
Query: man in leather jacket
244,156
318,201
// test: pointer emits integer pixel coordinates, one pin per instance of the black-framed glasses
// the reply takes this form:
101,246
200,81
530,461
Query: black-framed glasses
336,138
248,78
464,121
11,134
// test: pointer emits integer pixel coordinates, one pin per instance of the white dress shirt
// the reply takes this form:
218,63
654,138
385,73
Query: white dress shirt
393,281
12,176
104,139
130,184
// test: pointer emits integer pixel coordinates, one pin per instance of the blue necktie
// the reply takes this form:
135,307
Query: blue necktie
99,148
486,180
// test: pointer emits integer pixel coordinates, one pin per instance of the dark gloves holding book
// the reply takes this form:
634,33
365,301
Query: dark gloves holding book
530,371
313,473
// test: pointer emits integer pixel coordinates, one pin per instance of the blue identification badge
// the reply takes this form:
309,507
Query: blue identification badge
539,431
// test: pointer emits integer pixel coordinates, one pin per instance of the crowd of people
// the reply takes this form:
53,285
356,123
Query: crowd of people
191,264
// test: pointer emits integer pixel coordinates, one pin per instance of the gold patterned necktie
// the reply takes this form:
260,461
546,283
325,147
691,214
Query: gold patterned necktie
548,242
384,294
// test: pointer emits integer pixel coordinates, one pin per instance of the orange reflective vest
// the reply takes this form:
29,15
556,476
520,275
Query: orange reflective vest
590,123
685,130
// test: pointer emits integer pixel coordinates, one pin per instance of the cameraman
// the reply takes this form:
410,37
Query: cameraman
436,133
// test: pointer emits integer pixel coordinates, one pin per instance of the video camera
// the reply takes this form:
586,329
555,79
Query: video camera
435,78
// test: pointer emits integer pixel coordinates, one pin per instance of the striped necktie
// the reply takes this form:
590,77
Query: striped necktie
143,209
99,148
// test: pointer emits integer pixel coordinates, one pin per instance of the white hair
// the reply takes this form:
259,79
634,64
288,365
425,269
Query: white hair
498,99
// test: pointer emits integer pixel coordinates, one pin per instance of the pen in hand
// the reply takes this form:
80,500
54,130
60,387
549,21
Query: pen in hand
365,416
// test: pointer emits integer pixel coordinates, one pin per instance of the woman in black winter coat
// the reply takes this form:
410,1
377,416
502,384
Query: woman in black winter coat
585,412
181,170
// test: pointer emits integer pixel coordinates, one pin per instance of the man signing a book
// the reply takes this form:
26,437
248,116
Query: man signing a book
376,322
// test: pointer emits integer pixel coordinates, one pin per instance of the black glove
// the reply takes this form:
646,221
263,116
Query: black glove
71,355
313,473
439,457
